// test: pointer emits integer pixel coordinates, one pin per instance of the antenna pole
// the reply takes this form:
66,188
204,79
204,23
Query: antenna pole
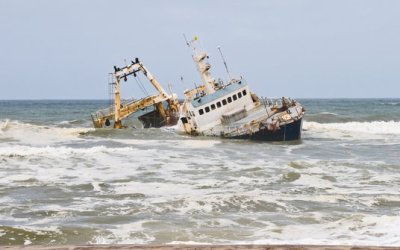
187,43
226,66
183,83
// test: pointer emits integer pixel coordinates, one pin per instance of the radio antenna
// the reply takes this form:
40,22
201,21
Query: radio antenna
226,66
187,43
183,83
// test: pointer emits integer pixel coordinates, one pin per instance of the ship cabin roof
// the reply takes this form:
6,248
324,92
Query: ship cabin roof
226,90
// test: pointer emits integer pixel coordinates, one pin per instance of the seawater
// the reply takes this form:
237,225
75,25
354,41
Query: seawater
63,182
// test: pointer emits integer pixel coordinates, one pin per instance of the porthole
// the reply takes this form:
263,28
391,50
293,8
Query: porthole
218,104
207,109
229,99
212,106
224,102
201,111
240,94
234,97
244,92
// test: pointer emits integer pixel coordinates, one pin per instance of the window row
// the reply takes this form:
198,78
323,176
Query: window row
224,102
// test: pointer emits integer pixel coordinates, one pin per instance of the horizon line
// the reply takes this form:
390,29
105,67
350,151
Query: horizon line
99,99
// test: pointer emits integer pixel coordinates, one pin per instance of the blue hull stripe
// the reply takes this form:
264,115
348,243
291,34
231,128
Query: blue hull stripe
287,132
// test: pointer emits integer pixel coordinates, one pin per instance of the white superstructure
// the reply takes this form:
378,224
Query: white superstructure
231,110
212,103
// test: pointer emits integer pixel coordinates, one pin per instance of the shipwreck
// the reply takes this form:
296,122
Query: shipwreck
156,110
231,110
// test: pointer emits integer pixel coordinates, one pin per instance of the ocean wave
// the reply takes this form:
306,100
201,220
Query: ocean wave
354,229
22,151
390,103
72,122
39,134
372,128
327,113
4,125
129,201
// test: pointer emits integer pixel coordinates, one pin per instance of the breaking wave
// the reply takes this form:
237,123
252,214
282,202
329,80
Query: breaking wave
21,151
372,128
63,182
3,126
390,103
38,134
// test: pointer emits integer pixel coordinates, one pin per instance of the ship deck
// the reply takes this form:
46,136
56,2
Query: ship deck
259,113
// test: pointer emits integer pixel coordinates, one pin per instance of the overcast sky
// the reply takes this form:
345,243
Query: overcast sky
321,49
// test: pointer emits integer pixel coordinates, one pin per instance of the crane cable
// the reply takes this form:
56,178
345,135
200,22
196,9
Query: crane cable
139,82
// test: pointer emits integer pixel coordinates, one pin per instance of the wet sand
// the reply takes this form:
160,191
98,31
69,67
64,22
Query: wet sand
201,247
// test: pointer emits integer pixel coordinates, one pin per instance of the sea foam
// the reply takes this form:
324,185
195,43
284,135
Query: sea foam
372,128
38,134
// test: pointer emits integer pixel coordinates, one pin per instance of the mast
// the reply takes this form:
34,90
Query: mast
226,66
117,103
153,80
203,67
122,73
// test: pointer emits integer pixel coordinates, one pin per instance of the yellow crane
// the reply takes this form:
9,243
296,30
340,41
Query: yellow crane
166,115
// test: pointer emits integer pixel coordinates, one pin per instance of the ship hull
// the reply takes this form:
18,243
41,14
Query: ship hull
286,132
154,119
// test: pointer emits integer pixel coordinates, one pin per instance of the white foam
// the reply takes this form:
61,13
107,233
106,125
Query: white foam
122,234
4,126
198,143
61,151
27,242
190,242
313,180
375,127
188,143
77,165
16,177
353,229
390,103
354,129
327,113
200,185
39,135
40,229
96,186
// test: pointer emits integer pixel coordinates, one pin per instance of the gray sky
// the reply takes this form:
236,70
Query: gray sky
322,49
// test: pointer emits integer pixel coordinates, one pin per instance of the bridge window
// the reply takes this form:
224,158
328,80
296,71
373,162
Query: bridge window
207,109
224,102
229,99
244,92
240,94
234,97
201,111
218,104
212,106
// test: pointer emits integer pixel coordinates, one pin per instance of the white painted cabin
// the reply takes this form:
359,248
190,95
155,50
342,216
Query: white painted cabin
205,112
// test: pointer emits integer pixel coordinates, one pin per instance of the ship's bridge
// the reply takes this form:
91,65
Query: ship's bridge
226,90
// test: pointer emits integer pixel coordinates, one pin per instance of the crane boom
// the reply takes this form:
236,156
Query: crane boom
121,111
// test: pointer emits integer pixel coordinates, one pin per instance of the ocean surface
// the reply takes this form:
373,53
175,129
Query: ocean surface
63,182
